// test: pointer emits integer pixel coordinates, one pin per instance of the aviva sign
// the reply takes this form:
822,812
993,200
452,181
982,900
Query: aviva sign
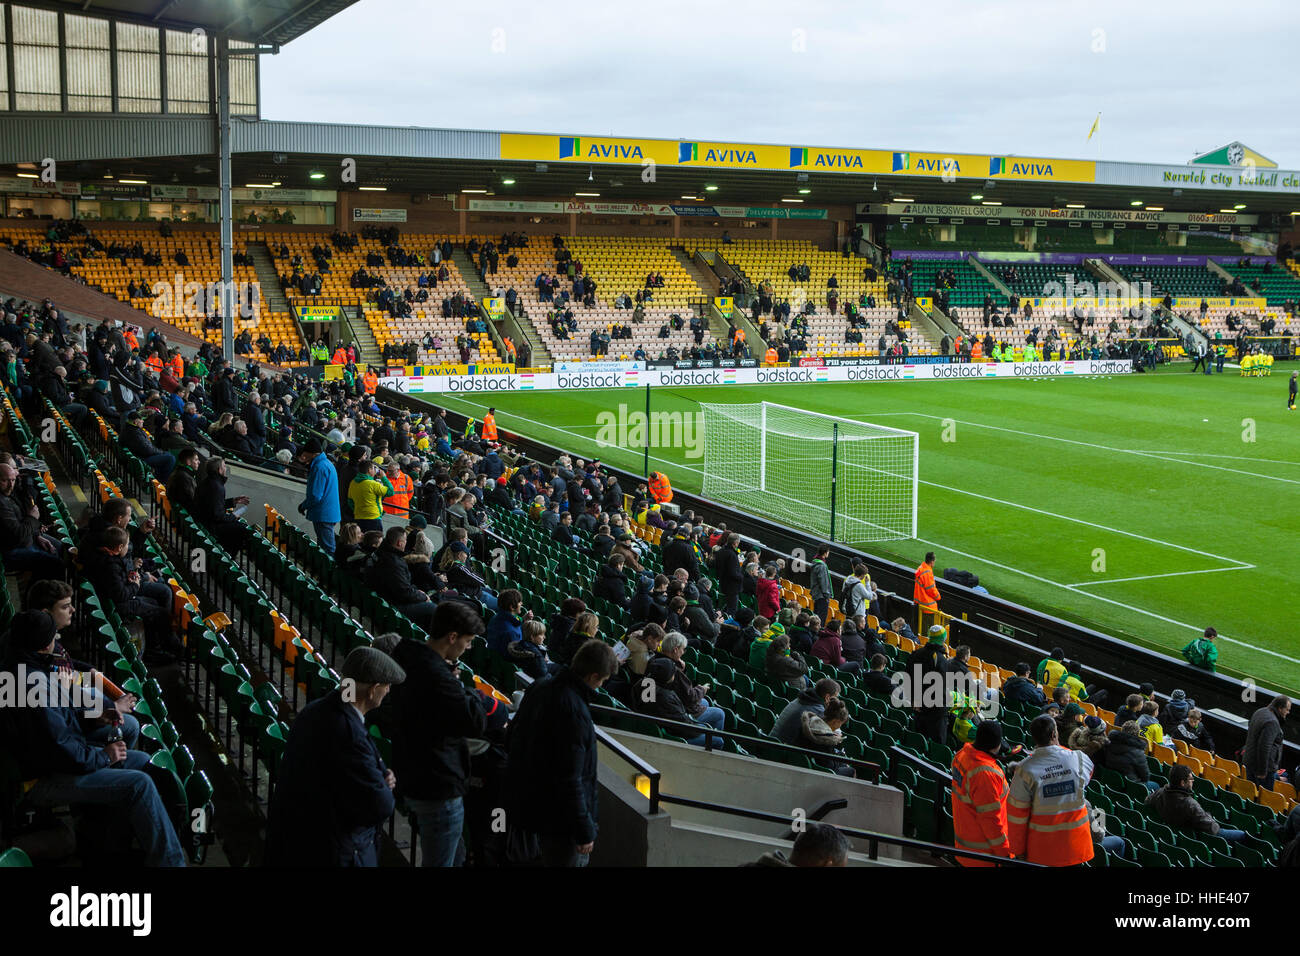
701,154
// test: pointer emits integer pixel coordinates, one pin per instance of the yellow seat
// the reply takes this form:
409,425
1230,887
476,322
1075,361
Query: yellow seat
1273,800
1244,788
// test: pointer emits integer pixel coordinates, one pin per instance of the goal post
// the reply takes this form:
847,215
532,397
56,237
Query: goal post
843,479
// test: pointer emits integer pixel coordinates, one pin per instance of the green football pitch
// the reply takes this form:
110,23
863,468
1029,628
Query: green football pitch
1146,506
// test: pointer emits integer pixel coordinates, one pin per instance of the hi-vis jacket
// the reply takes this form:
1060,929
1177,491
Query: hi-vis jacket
979,805
1047,813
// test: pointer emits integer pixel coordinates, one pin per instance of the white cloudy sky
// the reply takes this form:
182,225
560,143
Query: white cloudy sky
1014,76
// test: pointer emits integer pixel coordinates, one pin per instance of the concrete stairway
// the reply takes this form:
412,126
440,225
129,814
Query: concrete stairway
267,277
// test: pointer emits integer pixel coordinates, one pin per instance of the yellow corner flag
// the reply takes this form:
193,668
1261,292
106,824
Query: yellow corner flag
1095,124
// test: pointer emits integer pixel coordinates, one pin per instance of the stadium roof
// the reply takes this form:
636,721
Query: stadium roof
426,161
273,22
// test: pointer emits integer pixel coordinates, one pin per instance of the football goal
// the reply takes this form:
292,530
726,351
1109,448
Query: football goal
845,480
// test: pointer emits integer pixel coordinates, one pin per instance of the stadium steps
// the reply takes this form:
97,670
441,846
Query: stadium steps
993,280
706,279
931,326
363,335
541,354
269,279
1104,271
469,272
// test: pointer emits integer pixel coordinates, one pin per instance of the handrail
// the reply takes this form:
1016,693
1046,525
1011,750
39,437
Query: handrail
694,730
872,838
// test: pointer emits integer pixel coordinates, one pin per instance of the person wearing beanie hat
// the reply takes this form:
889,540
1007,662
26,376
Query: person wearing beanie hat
929,711
1089,736
1175,712
979,797
50,744
334,792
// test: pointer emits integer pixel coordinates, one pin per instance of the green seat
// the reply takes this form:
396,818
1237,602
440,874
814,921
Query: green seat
14,857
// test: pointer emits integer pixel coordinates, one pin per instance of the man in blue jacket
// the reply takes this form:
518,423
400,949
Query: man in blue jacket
321,506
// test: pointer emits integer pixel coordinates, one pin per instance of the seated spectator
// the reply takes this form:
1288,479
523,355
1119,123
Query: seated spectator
1149,724
506,625
655,695
1127,753
1179,809
1131,710
107,568
828,648
212,508
853,645
1090,737
1020,688
801,632
137,442
464,581
610,582
784,664
529,652
877,680
64,751
419,557
23,544
346,543
1176,711
585,627
644,645
823,732
390,577
1193,731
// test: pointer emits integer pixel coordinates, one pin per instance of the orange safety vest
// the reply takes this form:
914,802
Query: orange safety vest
770,356
660,490
979,805
177,366
976,351
925,594
340,357
399,502
154,364
370,380
489,427
1047,813
131,340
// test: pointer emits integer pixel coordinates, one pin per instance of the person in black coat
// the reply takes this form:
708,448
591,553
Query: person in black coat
107,569
731,579
212,507
610,583
551,786
136,440
334,792
256,422
680,553
389,576
932,721
224,398
432,715
1127,752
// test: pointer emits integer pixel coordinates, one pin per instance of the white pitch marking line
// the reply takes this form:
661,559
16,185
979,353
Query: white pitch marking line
1097,597
1162,456
1048,581
1148,577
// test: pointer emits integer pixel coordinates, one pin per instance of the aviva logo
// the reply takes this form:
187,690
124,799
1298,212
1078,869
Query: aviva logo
1001,166
688,152
798,156
570,147
902,161
824,160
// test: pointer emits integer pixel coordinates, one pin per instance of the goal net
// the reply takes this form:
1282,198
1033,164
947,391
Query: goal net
845,480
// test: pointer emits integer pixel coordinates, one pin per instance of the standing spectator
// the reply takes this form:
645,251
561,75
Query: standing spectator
768,590
1263,750
551,776
731,579
321,504
432,715
1047,814
334,793
819,576
925,594
931,717
979,796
